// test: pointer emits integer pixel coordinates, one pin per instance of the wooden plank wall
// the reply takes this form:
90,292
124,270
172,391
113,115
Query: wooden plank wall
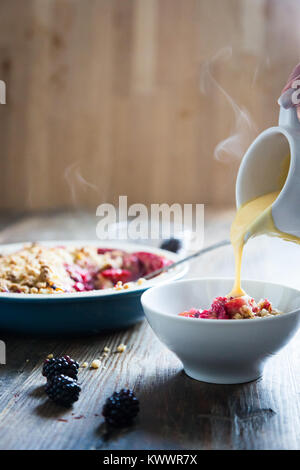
112,97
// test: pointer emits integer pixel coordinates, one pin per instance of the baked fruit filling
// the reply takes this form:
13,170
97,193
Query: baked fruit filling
233,308
38,269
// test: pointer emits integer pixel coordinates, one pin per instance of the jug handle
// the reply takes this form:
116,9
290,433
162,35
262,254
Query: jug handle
288,118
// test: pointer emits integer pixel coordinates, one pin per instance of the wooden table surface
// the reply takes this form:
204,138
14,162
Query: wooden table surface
176,411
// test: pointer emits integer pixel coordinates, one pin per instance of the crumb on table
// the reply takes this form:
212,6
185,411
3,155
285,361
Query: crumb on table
96,364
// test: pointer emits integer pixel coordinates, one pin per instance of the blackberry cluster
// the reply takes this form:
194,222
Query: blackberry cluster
121,408
172,244
61,374
60,365
63,390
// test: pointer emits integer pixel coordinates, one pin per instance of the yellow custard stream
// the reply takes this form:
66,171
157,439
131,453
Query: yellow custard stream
255,218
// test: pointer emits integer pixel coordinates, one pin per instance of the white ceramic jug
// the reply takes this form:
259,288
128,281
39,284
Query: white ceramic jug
260,170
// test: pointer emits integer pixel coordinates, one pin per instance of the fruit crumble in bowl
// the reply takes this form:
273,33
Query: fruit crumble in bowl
77,287
231,341
233,308
40,269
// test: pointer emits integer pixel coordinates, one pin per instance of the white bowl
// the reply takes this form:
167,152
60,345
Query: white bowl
221,351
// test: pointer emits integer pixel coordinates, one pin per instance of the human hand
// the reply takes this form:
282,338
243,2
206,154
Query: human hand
290,95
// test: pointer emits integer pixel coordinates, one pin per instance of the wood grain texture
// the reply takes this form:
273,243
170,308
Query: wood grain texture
176,411
112,97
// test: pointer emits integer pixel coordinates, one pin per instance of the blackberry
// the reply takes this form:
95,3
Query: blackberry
63,390
121,408
172,244
60,365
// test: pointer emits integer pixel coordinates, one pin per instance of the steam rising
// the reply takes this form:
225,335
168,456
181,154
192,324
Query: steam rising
244,129
75,180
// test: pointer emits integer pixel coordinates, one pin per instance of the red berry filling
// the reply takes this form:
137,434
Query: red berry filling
83,277
134,266
150,262
117,275
102,251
